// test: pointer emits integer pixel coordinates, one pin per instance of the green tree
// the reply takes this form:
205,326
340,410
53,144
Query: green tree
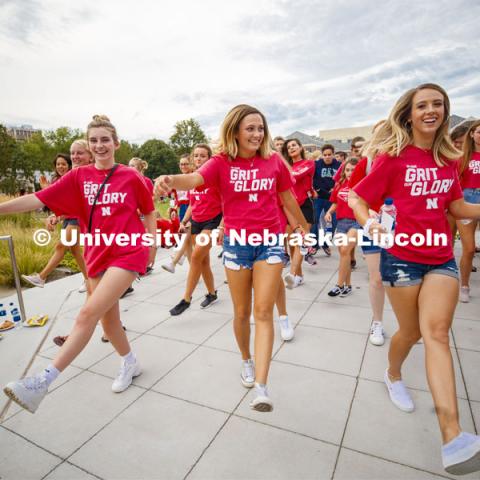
187,134
126,152
160,157
61,138
8,147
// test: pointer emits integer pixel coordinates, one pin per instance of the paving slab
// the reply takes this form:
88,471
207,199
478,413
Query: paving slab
267,453
157,437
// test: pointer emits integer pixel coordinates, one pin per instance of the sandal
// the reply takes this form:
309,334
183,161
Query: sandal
60,340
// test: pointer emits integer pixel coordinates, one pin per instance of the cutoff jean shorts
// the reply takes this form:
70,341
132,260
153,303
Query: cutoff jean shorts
238,256
402,273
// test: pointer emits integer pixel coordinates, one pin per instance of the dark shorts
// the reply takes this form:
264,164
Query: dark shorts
70,221
402,273
307,209
238,256
211,224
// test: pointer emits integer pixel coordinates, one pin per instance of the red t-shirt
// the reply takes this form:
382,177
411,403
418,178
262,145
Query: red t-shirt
205,203
248,187
470,177
149,184
421,191
358,174
340,197
303,172
115,212
338,174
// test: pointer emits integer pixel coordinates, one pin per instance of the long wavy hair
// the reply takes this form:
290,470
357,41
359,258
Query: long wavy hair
396,133
468,146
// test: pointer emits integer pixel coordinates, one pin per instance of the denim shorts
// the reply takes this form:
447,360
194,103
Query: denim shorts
244,256
69,221
402,273
370,249
472,195
346,224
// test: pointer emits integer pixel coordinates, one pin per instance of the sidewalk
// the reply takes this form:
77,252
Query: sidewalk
187,415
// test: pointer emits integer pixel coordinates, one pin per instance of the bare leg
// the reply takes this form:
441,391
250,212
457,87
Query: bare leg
467,236
240,285
55,259
107,291
265,286
375,286
404,302
436,302
281,301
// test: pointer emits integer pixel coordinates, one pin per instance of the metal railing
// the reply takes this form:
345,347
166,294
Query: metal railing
16,275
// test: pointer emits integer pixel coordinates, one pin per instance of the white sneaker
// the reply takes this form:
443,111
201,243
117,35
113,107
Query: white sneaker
464,294
376,334
261,401
34,280
399,394
83,287
247,374
286,330
169,266
126,375
289,281
462,455
299,280
27,392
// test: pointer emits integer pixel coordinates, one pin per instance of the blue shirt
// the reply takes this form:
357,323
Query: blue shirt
323,177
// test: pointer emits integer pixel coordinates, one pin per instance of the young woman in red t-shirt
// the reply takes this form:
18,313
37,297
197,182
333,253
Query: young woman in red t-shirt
205,215
416,167
62,164
111,269
248,175
469,172
347,226
181,202
302,172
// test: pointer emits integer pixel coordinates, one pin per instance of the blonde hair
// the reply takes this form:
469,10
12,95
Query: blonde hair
368,150
102,121
82,143
468,147
139,164
229,128
396,133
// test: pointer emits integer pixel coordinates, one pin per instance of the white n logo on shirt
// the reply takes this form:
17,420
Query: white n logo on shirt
432,203
106,211
253,197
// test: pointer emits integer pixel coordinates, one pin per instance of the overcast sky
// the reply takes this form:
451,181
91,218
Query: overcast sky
308,65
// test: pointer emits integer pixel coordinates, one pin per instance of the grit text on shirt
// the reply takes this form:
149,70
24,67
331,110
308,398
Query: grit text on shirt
106,197
247,181
425,181
474,166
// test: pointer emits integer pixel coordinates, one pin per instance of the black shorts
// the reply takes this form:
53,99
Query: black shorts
307,209
211,224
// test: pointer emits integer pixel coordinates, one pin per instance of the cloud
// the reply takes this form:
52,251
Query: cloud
309,65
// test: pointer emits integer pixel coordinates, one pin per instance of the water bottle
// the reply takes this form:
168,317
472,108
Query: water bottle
15,314
3,313
388,216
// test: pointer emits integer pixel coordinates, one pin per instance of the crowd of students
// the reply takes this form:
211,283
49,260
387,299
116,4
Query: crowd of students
257,185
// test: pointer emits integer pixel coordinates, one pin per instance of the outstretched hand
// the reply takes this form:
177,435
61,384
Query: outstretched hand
163,185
